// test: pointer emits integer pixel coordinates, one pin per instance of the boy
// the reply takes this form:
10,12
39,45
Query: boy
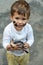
18,30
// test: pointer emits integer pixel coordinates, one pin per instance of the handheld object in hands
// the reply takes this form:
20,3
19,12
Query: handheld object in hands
21,44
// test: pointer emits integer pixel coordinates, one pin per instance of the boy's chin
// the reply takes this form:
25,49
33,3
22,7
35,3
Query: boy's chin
18,28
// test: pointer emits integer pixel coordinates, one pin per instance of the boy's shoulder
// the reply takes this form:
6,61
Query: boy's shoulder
28,25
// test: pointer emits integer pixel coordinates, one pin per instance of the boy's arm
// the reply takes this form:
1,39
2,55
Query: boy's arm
6,38
30,38
8,44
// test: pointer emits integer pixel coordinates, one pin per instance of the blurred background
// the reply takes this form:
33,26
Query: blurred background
36,20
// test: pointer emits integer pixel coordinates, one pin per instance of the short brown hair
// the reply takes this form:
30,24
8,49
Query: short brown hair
21,7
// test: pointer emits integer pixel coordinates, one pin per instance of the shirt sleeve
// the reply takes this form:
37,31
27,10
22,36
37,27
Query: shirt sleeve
6,38
30,36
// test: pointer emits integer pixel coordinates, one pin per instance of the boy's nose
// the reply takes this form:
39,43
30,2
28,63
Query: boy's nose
19,22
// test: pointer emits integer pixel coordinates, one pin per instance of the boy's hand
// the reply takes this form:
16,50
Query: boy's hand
9,47
26,45
15,46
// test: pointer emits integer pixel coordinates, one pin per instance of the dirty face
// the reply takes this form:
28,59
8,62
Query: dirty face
19,21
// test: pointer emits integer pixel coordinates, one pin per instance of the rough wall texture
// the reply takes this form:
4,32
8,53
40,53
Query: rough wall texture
36,20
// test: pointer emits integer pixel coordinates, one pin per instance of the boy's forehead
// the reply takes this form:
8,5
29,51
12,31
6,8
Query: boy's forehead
19,15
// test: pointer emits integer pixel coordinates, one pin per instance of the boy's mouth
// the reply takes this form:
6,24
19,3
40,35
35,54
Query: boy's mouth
19,25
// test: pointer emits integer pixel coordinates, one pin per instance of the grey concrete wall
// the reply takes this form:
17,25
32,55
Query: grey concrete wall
36,20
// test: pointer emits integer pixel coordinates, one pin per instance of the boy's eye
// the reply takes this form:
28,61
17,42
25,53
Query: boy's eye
17,18
23,18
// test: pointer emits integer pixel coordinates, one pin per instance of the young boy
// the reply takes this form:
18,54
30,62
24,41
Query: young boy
18,30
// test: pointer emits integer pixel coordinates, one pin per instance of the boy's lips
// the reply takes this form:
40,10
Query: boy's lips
18,25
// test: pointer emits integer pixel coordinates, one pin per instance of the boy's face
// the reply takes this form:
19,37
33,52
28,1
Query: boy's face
19,21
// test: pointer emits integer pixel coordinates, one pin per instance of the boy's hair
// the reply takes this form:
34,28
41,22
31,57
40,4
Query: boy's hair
21,7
